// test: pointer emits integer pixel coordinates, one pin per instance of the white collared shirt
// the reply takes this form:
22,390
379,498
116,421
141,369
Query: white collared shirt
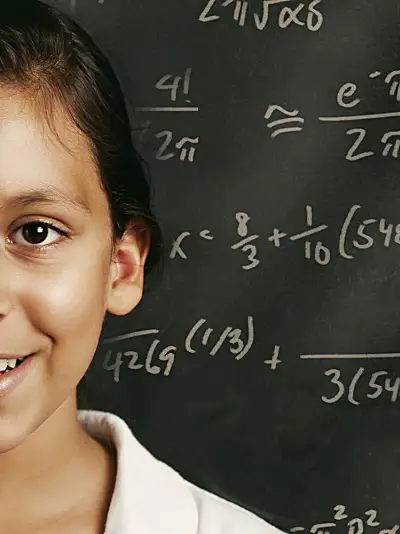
151,498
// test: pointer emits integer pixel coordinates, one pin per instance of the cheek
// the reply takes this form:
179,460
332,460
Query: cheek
68,307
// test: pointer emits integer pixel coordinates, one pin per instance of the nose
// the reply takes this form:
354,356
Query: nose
5,304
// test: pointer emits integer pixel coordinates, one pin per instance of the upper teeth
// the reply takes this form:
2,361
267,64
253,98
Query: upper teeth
10,363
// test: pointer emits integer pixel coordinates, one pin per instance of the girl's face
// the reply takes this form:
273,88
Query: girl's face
56,278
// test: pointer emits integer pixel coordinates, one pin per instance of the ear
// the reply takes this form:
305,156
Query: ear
126,278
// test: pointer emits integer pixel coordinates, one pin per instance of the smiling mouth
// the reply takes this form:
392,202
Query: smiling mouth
11,364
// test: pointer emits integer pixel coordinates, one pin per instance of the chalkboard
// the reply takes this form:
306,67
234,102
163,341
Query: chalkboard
264,364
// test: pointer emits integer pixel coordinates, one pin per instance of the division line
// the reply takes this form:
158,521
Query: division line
348,356
244,241
360,117
309,232
167,109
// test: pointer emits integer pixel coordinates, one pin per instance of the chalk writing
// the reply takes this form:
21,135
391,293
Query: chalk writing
242,219
368,521
239,346
346,99
390,141
378,384
238,340
362,385
354,234
177,88
171,146
135,362
293,119
186,146
177,248
169,82
308,16
321,254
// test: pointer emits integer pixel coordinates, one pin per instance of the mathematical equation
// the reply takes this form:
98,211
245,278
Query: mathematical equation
365,234
171,146
308,17
368,522
158,359
280,121
346,99
238,341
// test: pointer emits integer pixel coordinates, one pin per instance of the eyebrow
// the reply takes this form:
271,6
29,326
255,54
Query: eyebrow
48,195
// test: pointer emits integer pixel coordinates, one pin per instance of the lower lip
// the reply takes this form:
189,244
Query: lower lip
9,381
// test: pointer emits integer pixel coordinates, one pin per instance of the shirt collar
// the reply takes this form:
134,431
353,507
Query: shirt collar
149,496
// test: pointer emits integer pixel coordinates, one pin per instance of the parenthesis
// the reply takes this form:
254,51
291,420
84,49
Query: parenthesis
352,386
191,334
343,232
250,340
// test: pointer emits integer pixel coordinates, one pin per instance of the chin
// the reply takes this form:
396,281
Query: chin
12,436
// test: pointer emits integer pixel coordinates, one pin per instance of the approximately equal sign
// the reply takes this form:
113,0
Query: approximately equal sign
291,120
361,356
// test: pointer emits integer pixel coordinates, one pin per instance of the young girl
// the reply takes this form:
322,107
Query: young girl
77,239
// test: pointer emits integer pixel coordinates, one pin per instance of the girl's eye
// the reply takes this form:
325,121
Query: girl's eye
36,233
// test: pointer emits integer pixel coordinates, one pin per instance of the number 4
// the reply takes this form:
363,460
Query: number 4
393,387
162,84
174,85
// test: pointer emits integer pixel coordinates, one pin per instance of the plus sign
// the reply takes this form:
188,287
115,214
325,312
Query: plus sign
276,237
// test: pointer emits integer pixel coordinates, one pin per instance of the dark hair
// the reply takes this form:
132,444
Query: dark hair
50,59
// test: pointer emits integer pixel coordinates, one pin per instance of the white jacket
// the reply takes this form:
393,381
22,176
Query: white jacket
151,498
